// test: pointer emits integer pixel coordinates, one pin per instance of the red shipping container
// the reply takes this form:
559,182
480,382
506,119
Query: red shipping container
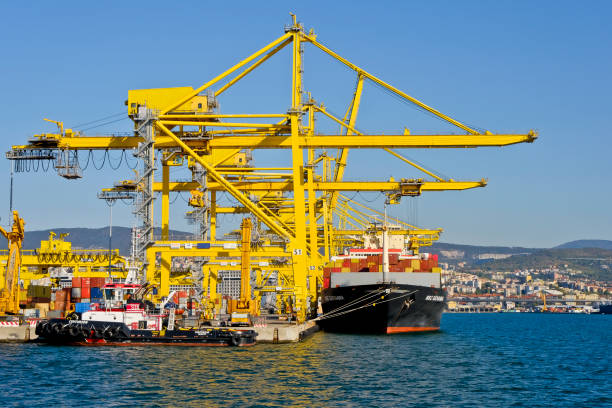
336,270
393,259
85,292
326,282
60,296
86,283
67,294
76,282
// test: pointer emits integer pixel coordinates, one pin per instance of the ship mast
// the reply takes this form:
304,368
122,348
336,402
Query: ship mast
385,239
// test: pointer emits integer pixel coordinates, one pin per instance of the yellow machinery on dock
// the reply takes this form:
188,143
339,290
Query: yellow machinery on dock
9,291
297,209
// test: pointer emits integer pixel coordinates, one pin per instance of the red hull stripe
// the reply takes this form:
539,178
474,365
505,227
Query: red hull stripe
391,330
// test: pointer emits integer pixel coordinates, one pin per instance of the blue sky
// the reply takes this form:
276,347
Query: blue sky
506,66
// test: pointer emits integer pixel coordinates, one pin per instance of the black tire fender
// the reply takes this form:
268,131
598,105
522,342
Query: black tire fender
40,328
74,331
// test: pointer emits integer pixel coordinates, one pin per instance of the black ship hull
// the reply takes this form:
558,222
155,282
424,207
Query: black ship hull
605,309
381,308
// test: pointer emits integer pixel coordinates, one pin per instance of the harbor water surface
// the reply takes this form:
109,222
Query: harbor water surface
489,360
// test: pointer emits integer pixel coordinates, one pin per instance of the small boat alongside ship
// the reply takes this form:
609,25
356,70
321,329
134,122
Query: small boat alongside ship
97,333
382,290
131,322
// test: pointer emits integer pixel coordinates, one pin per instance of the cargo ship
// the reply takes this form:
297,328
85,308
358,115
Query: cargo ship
120,319
382,290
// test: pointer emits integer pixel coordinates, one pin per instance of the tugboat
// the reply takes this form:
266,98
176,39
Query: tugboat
382,290
133,323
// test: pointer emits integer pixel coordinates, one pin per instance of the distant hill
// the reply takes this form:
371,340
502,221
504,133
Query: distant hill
595,263
89,238
587,243
475,254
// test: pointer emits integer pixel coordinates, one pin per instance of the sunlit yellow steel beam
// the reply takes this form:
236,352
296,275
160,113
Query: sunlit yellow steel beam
284,142
413,164
226,185
205,116
380,82
226,157
370,141
365,219
243,210
350,128
380,213
227,72
223,124
331,186
410,232
252,67
252,169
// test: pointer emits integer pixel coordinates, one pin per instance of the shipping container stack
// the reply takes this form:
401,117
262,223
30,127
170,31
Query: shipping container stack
87,291
35,301
373,263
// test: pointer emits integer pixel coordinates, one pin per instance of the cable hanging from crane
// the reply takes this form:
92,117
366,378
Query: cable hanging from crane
103,160
369,201
103,124
45,169
127,163
127,201
176,195
182,198
79,126
89,155
110,161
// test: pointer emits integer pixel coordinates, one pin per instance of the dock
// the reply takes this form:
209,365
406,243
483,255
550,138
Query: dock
15,333
276,333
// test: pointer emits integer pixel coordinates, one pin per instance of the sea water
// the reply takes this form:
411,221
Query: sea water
475,360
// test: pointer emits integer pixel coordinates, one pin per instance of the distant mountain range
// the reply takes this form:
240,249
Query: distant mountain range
587,243
90,238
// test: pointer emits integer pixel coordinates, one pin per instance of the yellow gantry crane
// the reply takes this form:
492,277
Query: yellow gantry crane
9,291
296,206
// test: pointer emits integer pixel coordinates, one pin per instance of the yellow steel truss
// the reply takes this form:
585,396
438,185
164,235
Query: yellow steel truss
296,204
